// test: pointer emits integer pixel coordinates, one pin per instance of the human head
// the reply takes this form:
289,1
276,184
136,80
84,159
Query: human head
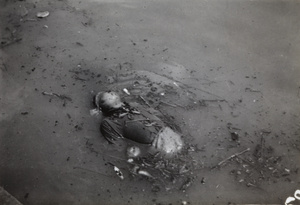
108,100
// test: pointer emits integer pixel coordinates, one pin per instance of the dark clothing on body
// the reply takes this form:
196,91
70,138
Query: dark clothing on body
139,125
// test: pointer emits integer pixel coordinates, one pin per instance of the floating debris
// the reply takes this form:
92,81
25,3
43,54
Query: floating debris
79,44
133,152
126,91
252,90
232,156
63,97
145,173
145,101
176,84
10,42
203,180
234,136
118,172
43,14
186,184
184,169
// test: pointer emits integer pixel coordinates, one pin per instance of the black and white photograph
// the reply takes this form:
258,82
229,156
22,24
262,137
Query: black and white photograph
149,102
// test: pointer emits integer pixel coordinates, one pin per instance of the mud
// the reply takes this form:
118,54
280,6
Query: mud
224,74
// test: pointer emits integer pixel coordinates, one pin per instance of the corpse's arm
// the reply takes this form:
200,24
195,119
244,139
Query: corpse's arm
111,129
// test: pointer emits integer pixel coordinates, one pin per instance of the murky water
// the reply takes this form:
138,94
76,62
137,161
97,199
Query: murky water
225,75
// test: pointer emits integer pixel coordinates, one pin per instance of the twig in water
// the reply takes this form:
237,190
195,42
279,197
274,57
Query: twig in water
63,97
29,19
232,156
10,42
145,101
215,100
252,90
78,78
172,105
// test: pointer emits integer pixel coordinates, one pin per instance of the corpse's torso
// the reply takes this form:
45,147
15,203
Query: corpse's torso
133,122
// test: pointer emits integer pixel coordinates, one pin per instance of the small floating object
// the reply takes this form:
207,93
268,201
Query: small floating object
118,172
135,112
43,14
126,91
234,136
145,173
176,84
133,151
